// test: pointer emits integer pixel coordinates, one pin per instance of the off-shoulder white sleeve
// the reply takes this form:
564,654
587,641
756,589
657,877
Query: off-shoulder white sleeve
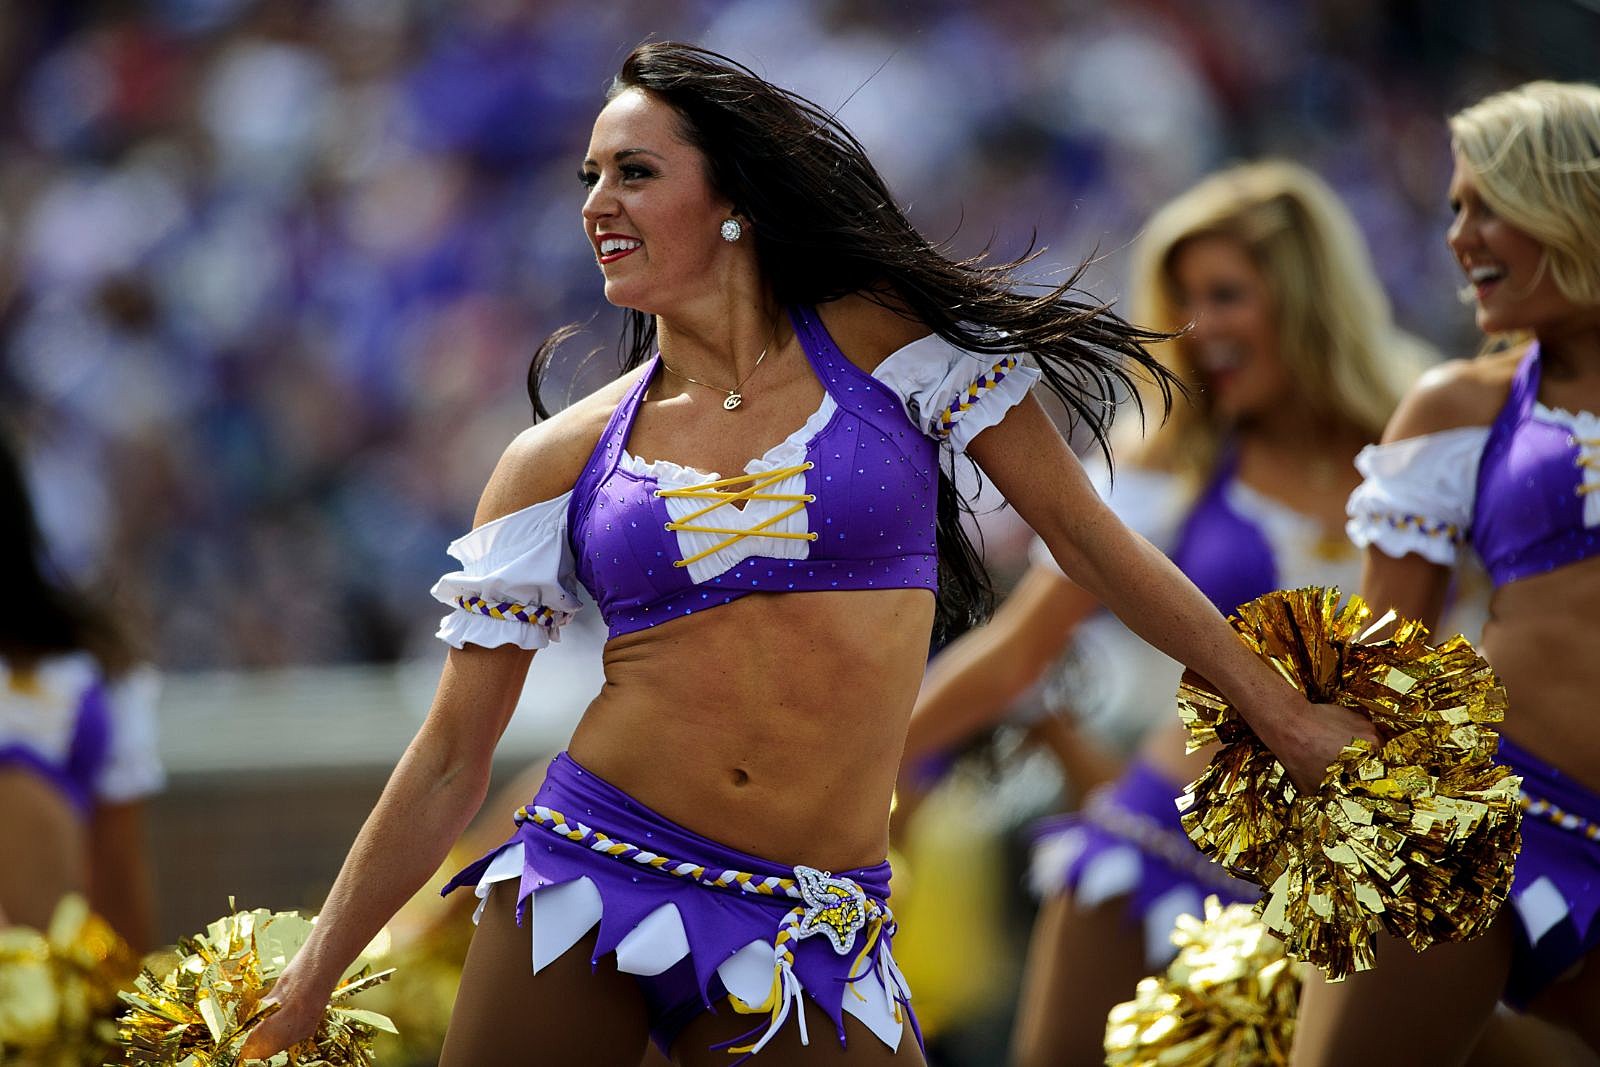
1150,503
1417,494
517,584
951,394
133,764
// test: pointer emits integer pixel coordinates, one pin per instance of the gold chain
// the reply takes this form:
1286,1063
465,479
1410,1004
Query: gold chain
734,397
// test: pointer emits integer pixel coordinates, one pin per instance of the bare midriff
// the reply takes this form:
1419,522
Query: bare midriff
1543,638
773,724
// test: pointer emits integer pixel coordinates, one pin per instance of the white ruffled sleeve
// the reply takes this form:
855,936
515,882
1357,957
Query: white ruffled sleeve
951,394
517,584
1150,503
133,763
1417,495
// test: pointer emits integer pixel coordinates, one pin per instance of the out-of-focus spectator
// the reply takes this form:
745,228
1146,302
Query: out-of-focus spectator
77,740
271,270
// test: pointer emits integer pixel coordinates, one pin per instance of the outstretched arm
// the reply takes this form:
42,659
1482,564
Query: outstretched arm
1044,481
443,777
972,683
433,793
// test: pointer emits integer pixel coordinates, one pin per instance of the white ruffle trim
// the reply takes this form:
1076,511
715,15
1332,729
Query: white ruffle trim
560,916
992,406
929,373
1584,429
462,627
790,452
786,453
1418,494
520,558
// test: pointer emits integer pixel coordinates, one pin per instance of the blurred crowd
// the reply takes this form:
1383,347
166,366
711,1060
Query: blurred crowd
271,271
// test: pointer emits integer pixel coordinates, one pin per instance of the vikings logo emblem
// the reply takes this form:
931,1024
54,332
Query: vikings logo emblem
836,907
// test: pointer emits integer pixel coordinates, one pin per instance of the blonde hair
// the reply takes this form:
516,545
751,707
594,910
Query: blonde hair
1534,152
1335,332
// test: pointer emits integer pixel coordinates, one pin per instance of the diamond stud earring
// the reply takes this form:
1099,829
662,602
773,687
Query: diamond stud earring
731,230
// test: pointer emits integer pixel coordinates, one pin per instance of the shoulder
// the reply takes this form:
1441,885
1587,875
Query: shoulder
544,461
869,328
1457,394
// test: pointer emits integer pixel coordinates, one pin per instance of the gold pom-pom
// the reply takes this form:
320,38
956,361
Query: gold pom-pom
58,989
1416,836
1230,997
200,1013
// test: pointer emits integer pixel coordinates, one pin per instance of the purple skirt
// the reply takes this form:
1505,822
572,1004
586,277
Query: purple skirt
694,919
1128,841
1556,890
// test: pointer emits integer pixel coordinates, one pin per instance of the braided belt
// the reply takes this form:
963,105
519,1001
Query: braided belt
1156,839
837,908
1559,817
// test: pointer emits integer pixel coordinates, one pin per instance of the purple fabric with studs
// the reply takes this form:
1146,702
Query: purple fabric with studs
1528,514
875,480
86,757
718,921
1223,553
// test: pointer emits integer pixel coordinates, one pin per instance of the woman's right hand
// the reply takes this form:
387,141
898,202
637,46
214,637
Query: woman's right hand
1309,748
296,1019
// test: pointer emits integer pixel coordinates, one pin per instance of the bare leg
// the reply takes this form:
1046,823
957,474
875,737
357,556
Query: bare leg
1081,963
570,1012
1574,1005
45,847
1512,1040
1412,1008
861,1048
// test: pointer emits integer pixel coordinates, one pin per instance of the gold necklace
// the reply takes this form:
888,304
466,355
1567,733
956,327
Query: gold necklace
734,397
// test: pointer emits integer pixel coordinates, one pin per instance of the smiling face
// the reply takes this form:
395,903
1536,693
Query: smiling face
652,215
1233,345
1511,282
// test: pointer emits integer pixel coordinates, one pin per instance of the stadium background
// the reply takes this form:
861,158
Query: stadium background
271,274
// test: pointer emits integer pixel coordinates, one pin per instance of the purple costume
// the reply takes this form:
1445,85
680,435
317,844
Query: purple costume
92,740
846,502
1523,492
1128,840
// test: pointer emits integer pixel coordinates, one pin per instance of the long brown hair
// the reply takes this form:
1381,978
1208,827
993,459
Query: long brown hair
826,226
44,614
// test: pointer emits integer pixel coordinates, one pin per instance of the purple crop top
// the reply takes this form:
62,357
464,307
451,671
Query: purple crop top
1222,552
1528,516
1525,490
860,501
846,502
1232,542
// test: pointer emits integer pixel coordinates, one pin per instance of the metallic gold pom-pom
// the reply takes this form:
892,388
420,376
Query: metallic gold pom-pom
200,1013
1229,998
1416,836
58,989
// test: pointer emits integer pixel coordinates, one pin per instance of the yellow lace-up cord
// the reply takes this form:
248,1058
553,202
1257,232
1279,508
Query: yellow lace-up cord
752,484
1588,463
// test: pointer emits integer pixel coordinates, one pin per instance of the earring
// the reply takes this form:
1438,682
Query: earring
731,230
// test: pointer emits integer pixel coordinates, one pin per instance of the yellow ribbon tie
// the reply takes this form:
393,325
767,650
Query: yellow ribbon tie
872,939
753,484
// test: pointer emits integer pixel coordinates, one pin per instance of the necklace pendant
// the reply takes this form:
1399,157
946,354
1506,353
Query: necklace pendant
734,400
